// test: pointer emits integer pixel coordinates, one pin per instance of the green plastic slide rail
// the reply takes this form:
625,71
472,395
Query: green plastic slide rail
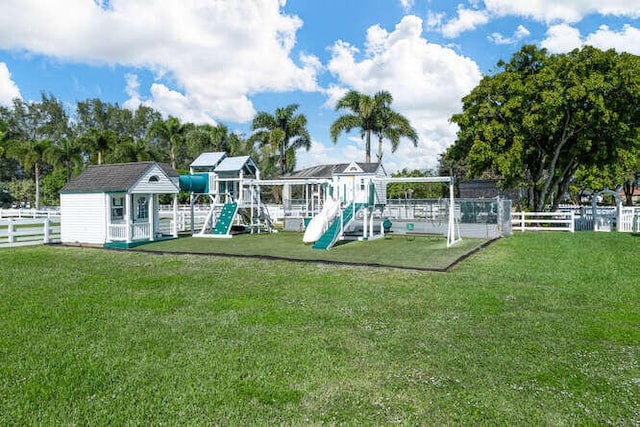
225,219
329,238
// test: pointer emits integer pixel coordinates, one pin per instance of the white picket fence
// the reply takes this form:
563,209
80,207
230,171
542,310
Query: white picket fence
572,220
543,221
29,231
29,213
629,220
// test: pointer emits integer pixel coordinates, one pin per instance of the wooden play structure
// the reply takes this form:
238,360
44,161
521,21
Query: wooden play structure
344,201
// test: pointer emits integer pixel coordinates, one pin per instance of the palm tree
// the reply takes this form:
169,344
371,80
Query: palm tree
31,155
371,115
363,116
172,133
33,128
281,134
134,150
392,125
98,142
67,153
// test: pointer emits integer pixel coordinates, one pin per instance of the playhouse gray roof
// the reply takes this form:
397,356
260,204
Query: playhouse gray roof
112,177
327,171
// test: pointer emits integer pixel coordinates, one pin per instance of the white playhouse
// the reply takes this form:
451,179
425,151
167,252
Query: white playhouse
117,205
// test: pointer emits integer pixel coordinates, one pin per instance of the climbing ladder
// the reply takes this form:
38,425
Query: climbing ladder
225,220
330,237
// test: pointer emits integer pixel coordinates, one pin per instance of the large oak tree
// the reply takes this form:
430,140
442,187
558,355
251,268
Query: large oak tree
541,117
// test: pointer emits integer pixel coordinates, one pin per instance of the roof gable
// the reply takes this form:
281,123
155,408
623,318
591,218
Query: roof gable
117,177
353,167
237,164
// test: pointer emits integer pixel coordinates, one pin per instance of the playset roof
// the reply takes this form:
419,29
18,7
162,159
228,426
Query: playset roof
208,160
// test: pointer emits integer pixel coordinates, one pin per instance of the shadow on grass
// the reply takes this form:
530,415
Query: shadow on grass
408,252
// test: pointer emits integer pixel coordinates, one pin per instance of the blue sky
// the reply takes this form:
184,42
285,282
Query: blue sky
222,61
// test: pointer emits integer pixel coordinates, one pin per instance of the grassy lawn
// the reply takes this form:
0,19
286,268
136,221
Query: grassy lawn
539,329
408,251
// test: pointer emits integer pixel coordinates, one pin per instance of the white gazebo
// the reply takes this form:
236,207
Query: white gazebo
117,205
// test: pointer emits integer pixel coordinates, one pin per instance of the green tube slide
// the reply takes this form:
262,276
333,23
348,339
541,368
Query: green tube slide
196,183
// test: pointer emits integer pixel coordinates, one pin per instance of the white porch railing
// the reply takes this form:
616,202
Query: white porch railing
139,231
543,221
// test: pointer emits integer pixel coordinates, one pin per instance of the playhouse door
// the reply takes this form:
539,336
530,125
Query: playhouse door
349,189
141,225
141,208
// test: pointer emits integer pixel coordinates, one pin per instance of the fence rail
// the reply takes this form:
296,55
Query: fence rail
25,232
543,221
28,213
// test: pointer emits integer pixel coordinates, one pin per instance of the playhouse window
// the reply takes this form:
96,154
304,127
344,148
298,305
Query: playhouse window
154,178
117,208
142,208
362,184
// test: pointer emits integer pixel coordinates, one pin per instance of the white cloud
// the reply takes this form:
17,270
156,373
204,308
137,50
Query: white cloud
626,40
570,11
553,12
407,5
520,33
562,38
466,20
215,53
8,88
434,20
132,90
426,80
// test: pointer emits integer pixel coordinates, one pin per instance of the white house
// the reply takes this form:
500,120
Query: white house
350,181
116,205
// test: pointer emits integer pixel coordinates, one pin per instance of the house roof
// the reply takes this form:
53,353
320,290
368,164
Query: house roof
112,177
328,171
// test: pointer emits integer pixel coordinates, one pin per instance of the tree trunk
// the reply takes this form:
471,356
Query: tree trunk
37,179
380,150
367,146
629,189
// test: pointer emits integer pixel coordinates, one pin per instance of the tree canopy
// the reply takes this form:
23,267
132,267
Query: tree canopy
372,115
42,144
280,135
541,117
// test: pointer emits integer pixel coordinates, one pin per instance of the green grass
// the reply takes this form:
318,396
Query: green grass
537,329
407,251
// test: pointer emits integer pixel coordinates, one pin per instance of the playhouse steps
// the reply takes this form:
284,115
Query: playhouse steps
225,219
329,238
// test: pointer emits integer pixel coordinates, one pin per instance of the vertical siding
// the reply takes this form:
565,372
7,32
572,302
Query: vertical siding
83,218
381,187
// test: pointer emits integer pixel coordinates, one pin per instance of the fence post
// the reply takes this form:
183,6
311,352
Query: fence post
10,231
522,224
572,226
46,230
